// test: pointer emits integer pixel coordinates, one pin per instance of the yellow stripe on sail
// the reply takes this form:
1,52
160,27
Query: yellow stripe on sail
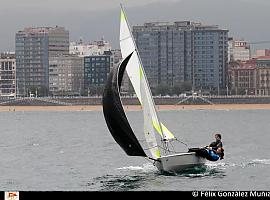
122,18
141,72
167,132
157,153
157,127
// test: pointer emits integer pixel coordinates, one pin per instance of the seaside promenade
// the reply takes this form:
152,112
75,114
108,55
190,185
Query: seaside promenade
137,108
132,103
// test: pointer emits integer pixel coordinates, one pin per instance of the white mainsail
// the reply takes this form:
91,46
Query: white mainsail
140,84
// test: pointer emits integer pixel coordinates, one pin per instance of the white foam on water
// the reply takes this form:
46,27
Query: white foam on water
147,167
255,162
220,165
261,161
213,164
130,168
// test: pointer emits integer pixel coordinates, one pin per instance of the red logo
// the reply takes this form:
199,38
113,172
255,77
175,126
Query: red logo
11,195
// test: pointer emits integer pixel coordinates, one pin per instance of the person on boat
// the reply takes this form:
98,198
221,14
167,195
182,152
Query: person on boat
215,149
217,144
213,152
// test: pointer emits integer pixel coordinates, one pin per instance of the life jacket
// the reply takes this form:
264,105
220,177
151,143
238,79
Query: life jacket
212,155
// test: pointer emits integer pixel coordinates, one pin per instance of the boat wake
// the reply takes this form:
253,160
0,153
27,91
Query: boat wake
146,168
198,172
126,178
140,177
256,162
225,166
219,165
120,182
262,161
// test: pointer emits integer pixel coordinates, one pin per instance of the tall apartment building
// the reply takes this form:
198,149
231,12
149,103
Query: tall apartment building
66,75
183,51
34,47
96,71
7,74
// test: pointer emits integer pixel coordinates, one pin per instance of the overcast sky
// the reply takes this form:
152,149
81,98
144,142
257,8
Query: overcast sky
92,19
66,5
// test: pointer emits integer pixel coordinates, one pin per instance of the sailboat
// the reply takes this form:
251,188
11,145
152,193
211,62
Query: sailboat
157,151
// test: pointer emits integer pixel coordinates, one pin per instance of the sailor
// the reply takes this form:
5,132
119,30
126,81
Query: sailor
217,143
216,148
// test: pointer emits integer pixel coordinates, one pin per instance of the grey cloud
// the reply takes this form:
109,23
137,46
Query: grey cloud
243,18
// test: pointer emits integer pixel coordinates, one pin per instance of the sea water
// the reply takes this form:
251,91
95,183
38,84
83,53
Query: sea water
74,151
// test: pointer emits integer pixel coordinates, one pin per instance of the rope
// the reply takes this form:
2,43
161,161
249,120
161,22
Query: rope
165,146
151,147
181,142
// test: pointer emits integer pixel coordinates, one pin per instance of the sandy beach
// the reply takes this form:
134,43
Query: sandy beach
136,107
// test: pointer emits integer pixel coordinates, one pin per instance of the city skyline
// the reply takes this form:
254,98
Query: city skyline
183,52
243,18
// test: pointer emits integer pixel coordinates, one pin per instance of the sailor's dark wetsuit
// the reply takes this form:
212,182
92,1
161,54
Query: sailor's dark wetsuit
215,145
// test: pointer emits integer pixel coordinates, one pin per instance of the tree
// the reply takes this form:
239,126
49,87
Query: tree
42,91
163,89
31,89
94,90
177,89
186,86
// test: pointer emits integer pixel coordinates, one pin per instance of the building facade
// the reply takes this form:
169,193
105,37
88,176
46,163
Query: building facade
94,48
34,47
243,78
173,53
262,52
7,74
250,77
96,71
263,75
66,75
239,50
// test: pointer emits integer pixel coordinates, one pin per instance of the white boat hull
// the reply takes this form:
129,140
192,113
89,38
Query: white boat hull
179,162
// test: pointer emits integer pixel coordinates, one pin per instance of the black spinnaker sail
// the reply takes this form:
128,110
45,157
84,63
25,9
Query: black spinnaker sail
114,114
